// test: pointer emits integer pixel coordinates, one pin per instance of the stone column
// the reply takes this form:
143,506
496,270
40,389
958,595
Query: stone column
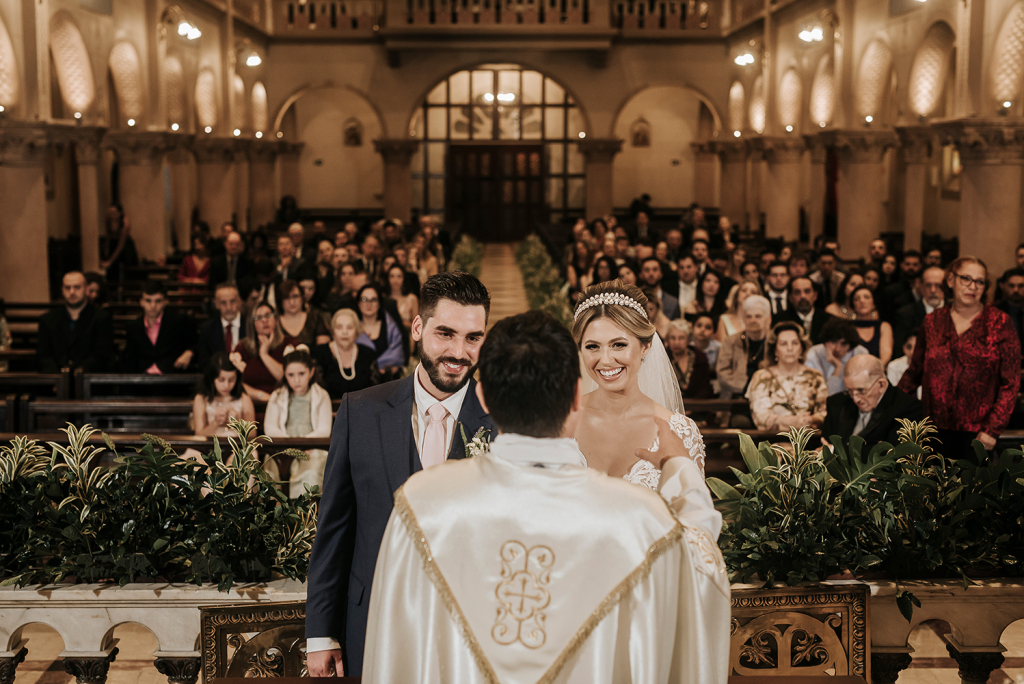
89,669
178,670
140,157
860,187
215,169
23,234
975,666
599,153
990,188
705,173
397,154
242,147
262,193
733,185
782,198
916,145
818,187
183,187
886,666
87,141
288,155
9,661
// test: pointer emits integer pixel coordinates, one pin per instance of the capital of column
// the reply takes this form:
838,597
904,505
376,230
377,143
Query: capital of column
916,142
886,667
9,665
210,150
88,140
289,149
779,149
264,151
178,670
183,148
23,143
817,146
600,150
90,670
975,667
981,141
860,147
729,151
396,150
139,148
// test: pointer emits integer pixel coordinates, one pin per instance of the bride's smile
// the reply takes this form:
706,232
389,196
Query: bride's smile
611,356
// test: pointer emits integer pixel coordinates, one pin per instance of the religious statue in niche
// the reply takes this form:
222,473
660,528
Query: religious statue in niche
353,131
640,133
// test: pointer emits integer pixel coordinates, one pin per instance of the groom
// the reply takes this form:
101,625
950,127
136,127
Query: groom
382,435
522,565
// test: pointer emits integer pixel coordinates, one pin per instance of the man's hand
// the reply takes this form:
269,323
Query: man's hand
184,360
670,445
325,663
987,440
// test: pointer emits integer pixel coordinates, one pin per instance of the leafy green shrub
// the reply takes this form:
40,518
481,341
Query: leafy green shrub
803,515
153,515
467,256
545,289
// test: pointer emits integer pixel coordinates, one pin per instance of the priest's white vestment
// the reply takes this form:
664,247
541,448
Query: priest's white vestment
522,566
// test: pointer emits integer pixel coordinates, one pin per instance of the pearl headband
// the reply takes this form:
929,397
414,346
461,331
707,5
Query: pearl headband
605,298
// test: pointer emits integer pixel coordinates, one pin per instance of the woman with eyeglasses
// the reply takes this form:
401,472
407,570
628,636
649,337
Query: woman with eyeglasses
967,359
296,319
260,354
381,332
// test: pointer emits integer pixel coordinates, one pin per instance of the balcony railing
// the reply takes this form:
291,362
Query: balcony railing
658,15
497,12
331,17
745,10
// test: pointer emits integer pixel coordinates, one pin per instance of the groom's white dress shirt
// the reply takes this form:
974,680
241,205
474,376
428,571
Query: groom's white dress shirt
521,564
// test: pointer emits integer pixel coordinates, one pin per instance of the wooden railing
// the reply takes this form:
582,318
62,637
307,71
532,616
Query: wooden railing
666,15
334,17
491,12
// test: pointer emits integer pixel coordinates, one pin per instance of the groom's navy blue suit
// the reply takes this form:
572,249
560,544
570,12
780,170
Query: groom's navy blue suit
373,452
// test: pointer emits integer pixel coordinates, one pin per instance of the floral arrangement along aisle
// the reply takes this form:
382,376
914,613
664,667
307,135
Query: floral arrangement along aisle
545,288
155,515
467,256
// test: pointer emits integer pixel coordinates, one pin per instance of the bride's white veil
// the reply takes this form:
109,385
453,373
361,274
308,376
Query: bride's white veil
657,379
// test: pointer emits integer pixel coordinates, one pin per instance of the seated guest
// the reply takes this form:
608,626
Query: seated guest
872,276
605,269
898,367
343,294
741,354
287,264
910,316
344,365
777,291
840,343
901,292
627,273
260,354
875,334
380,331
1013,299
842,307
222,332
690,365
828,277
655,314
220,397
323,267
422,259
76,335
703,339
296,319
578,272
803,298
730,323
786,393
312,294
234,266
96,289
869,407
195,267
407,301
710,298
300,407
160,340
651,277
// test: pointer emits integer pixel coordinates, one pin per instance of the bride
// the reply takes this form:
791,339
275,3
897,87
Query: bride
632,382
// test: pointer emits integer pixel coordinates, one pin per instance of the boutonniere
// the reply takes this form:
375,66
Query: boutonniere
480,444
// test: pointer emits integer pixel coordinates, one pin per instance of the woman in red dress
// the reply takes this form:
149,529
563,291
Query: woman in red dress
967,359
195,268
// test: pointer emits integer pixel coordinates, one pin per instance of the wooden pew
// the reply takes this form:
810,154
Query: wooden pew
56,385
7,408
120,415
124,385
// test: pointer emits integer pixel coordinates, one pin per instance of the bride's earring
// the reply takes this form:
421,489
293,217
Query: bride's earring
642,359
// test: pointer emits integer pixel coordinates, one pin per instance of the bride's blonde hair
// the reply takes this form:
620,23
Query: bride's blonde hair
624,316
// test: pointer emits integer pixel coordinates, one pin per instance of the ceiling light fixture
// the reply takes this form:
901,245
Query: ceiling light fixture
174,126
789,129
237,132
259,134
253,60
582,134
869,118
744,59
736,134
208,129
131,122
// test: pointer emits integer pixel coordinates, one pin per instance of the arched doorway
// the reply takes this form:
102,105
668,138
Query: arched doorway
498,152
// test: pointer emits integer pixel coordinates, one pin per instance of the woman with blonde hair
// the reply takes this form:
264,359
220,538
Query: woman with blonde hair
628,382
730,322
690,365
260,354
785,393
344,365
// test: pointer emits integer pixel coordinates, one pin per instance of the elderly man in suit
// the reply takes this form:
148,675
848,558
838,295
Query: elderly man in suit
870,405
909,317
222,332
382,436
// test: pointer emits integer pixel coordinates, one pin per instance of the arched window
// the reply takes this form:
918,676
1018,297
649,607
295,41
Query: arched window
260,114
10,83
127,72
757,106
500,103
174,85
1008,57
206,99
241,104
931,66
791,93
822,92
71,61
873,79
737,106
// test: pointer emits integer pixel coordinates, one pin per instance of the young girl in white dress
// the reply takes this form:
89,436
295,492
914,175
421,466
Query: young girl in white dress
633,384
220,397
300,407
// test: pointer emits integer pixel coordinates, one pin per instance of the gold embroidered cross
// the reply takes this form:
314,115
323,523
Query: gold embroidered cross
521,594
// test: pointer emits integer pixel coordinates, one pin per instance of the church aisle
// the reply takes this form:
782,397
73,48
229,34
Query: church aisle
500,273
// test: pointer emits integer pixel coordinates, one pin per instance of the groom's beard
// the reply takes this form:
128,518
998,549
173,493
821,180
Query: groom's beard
442,379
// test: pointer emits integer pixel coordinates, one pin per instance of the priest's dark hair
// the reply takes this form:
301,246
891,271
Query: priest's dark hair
529,368
458,286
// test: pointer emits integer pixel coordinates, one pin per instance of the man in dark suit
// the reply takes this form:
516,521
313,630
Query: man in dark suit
159,341
777,291
870,405
382,436
802,310
651,276
78,335
1012,284
902,292
222,332
909,317
233,266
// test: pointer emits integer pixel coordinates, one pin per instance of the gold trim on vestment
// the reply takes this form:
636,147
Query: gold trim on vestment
579,638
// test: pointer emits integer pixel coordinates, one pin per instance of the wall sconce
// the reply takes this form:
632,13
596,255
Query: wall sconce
174,16
814,34
745,59
244,46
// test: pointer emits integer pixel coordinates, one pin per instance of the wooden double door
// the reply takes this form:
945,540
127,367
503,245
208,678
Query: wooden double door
495,192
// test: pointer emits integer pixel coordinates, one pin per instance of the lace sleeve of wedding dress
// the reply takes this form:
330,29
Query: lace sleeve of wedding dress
686,430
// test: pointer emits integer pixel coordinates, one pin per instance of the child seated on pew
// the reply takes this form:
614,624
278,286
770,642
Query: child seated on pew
219,397
300,407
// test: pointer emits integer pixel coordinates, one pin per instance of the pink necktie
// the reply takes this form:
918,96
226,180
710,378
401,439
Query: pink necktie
434,441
